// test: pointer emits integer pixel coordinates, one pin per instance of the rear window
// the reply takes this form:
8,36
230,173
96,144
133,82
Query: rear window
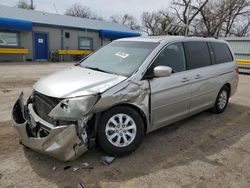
221,52
197,54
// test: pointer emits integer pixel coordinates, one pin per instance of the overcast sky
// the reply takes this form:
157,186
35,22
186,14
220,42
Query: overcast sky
104,8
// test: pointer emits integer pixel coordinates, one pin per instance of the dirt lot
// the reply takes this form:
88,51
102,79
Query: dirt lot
204,151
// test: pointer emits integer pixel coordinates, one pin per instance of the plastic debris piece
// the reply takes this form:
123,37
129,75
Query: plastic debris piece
67,167
80,185
85,164
87,167
54,168
107,160
75,169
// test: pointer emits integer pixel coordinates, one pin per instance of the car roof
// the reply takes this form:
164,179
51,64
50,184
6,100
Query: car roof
159,39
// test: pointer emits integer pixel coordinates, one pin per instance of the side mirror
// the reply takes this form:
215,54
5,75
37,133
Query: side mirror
162,71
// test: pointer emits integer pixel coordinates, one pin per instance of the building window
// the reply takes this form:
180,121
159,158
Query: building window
85,43
67,35
9,39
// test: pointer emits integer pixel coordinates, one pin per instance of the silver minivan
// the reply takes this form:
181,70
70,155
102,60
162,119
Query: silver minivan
126,89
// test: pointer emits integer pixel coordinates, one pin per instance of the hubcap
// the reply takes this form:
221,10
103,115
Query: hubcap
120,130
222,99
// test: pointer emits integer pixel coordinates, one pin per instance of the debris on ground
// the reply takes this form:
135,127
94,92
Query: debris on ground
114,173
107,160
86,165
54,168
67,167
80,185
75,169
6,90
212,136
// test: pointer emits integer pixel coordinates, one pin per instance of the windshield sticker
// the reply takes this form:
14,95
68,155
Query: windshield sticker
122,55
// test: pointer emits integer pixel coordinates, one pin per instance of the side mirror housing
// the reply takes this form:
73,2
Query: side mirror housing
162,71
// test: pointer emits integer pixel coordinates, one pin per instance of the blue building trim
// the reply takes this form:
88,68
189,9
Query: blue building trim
105,33
15,24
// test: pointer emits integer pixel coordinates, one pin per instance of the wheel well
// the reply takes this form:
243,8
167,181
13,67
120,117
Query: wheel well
229,87
92,125
138,110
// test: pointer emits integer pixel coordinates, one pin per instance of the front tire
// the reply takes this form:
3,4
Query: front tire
221,100
121,131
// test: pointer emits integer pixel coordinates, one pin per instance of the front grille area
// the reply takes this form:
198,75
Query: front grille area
43,104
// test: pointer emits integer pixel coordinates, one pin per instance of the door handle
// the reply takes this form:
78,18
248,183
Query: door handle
198,76
185,79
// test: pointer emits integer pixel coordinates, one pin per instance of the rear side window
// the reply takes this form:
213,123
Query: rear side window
221,52
197,54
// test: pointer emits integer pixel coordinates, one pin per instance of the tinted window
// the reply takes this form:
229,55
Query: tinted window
222,53
197,55
211,52
172,56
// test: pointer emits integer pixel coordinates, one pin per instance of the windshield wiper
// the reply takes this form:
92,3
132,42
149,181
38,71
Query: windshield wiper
97,69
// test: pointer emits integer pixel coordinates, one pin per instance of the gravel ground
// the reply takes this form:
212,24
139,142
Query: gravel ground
203,151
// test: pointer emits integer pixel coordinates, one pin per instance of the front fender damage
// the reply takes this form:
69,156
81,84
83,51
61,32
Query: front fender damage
61,142
67,142
131,92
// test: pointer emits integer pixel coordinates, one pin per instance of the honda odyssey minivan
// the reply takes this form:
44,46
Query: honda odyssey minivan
126,89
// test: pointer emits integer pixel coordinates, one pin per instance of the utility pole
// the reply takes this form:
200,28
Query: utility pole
188,12
55,8
31,5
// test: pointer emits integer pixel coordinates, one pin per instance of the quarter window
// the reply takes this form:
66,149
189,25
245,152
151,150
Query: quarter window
85,43
197,54
221,52
172,56
9,39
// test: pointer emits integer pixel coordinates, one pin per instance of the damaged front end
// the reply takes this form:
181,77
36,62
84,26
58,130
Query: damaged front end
44,124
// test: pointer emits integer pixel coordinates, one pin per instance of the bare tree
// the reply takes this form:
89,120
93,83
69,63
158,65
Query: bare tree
212,19
186,11
236,9
127,20
224,18
243,30
78,10
25,5
149,23
156,23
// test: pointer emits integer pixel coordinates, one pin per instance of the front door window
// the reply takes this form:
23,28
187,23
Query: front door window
173,56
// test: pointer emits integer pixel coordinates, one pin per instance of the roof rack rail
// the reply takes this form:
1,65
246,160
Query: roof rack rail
204,36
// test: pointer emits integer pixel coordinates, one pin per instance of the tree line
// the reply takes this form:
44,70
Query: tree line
218,18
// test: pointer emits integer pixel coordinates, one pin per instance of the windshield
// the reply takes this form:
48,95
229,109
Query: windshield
119,57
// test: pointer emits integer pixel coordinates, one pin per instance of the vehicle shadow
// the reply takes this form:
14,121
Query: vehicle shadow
181,143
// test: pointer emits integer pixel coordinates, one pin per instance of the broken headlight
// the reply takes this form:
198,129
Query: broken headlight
73,108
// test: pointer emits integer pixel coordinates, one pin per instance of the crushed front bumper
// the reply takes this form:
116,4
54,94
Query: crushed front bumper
61,142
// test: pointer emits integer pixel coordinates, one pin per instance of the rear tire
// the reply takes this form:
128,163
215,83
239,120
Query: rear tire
121,131
221,100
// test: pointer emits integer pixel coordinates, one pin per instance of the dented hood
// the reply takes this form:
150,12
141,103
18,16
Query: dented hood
76,81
